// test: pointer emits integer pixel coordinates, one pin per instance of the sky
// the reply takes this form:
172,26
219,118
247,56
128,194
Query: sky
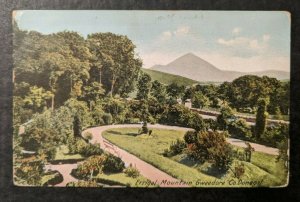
243,41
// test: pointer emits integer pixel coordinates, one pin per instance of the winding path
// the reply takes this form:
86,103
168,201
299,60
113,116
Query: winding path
147,170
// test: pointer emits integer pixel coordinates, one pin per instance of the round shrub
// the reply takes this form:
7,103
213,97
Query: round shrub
132,172
190,137
107,118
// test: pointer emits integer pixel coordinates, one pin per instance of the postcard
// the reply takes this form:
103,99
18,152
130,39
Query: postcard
137,98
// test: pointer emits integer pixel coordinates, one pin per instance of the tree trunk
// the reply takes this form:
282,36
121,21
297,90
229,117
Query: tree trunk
112,85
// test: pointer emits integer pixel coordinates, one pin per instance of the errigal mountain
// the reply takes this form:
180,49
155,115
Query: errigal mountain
194,67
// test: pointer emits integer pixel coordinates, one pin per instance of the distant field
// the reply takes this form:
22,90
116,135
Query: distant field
169,78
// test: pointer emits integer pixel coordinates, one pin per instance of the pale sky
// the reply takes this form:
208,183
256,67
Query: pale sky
231,40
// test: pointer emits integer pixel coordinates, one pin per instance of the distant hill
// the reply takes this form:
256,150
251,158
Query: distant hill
167,79
195,68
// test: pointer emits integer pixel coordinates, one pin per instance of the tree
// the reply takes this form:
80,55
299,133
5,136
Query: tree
144,86
158,91
37,98
199,100
175,91
92,92
77,128
261,118
116,62
226,116
239,128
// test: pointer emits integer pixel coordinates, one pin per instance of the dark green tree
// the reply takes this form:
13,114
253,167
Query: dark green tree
144,86
261,118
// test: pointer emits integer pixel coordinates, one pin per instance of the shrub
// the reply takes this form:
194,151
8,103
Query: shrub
239,128
52,178
94,165
51,153
30,170
175,148
88,136
144,128
91,149
190,137
113,164
132,172
107,118
211,124
211,146
239,170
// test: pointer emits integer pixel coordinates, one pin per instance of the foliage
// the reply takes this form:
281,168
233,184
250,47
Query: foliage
261,118
175,148
144,129
181,116
77,128
211,146
240,129
175,91
158,91
239,170
225,118
248,151
107,118
30,170
115,62
88,136
131,171
98,164
199,100
51,178
144,86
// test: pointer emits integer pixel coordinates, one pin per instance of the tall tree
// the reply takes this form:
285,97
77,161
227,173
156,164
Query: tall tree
261,118
116,61
158,91
144,86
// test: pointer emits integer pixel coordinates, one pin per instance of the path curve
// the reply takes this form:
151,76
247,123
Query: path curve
147,170
65,170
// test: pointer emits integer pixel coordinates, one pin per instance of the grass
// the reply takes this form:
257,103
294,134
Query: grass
121,179
150,149
167,79
62,153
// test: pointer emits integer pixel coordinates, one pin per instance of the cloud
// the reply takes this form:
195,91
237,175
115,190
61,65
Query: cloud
246,64
245,46
236,31
165,36
181,31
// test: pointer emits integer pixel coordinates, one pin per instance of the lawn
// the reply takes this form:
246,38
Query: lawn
263,169
62,153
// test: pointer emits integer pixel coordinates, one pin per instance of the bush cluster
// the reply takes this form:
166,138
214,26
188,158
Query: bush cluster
210,146
131,171
175,148
98,164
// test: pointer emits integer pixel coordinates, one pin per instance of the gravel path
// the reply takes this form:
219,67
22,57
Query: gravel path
65,170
